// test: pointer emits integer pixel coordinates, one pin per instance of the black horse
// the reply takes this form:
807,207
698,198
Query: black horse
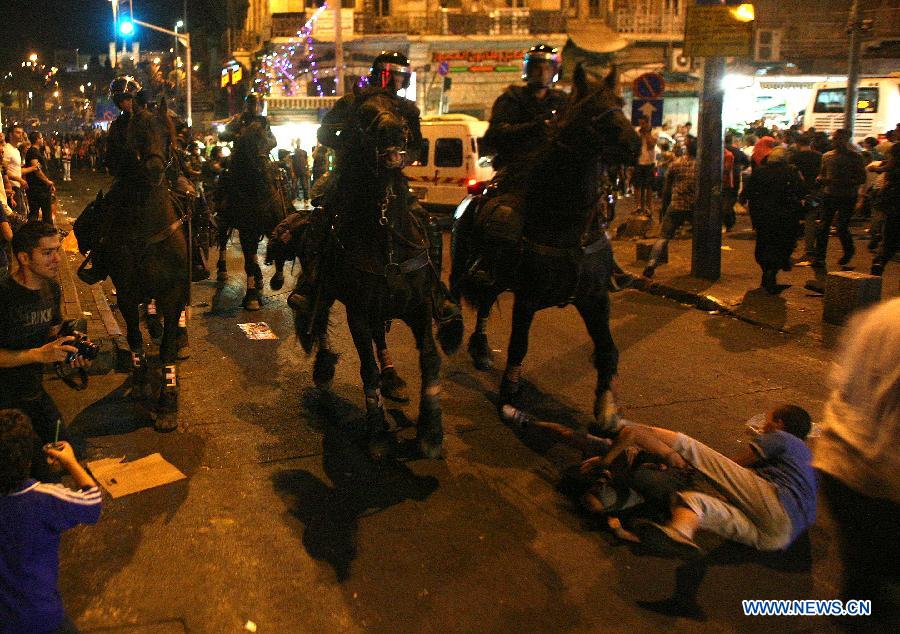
252,200
369,250
562,255
147,247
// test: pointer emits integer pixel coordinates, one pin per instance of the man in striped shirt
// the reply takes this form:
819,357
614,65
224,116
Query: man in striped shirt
33,516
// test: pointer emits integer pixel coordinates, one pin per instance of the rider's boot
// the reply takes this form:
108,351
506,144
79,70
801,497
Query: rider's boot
252,300
510,385
429,428
377,434
167,413
393,387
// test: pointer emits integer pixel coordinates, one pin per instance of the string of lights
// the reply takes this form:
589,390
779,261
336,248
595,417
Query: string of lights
281,68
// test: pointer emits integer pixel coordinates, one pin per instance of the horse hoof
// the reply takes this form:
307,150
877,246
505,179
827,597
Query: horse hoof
323,369
184,352
393,387
432,451
509,390
277,281
480,351
251,302
166,422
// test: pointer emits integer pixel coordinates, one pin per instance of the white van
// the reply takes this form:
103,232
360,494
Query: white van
877,106
450,160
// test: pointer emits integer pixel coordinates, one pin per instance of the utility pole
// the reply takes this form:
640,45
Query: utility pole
338,50
706,248
855,28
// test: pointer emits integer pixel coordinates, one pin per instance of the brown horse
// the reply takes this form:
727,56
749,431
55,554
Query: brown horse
147,249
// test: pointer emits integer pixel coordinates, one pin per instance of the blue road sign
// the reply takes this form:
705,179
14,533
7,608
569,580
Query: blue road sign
649,86
443,68
652,108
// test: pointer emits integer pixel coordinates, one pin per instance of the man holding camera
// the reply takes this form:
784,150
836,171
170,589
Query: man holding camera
30,320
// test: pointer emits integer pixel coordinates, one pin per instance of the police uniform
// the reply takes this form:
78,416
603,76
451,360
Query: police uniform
517,123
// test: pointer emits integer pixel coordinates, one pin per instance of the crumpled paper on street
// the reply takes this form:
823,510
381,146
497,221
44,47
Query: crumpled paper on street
122,478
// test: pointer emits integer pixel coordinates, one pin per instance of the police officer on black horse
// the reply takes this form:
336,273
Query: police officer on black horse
249,115
520,121
389,74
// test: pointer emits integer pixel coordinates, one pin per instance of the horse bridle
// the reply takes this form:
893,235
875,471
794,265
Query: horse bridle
367,133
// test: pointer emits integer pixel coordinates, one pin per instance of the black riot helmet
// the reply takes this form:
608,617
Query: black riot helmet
542,54
122,87
387,66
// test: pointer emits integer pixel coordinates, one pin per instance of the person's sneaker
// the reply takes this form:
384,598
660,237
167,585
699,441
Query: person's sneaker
666,540
519,418
803,262
845,259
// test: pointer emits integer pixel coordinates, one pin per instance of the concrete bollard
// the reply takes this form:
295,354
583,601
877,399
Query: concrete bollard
643,248
848,291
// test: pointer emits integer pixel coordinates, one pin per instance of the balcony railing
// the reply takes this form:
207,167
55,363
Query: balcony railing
499,22
287,24
628,23
276,104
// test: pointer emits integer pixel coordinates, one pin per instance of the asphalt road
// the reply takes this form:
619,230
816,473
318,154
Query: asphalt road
283,520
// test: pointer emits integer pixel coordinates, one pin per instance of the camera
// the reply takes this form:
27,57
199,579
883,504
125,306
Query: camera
85,348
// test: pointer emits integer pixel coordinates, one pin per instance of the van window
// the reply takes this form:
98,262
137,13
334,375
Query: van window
423,153
448,153
831,100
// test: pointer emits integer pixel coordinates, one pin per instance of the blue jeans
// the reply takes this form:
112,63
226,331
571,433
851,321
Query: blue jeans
673,219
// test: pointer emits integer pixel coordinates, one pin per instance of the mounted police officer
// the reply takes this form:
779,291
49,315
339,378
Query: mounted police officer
249,115
123,91
389,74
520,116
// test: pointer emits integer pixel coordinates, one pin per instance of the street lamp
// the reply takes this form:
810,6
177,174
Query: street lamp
33,58
126,28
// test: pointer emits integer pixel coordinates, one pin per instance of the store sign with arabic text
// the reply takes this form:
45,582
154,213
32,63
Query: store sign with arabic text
494,61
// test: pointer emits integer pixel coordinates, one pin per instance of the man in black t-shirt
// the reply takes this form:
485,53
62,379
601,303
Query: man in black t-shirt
30,318
40,188
808,162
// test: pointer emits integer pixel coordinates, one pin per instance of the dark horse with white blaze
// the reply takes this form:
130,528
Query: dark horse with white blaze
147,249
368,248
250,199
561,256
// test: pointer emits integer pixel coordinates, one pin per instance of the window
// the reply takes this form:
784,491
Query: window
448,153
831,100
595,8
423,153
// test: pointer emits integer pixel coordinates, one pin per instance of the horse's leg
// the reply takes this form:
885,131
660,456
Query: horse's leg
326,358
523,315
376,424
249,247
595,313
184,350
429,429
392,385
277,280
167,416
131,312
221,266
154,324
479,348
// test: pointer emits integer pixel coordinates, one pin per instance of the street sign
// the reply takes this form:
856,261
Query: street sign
649,86
651,108
443,68
718,31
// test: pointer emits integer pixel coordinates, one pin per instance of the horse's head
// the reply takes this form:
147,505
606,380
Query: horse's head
151,133
594,120
383,131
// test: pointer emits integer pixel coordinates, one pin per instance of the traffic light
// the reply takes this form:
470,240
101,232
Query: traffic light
126,28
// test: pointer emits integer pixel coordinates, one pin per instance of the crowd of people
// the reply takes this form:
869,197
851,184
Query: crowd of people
647,482
793,183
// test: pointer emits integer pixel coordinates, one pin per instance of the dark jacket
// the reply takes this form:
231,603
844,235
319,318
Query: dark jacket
773,192
518,122
240,121
120,159
843,171
336,120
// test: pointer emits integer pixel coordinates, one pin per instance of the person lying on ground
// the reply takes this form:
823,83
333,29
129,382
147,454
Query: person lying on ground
638,485
769,490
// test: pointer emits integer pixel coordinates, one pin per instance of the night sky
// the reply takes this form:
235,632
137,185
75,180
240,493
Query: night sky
44,25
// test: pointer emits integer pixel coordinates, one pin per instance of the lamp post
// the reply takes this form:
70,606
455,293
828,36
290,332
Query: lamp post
127,28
